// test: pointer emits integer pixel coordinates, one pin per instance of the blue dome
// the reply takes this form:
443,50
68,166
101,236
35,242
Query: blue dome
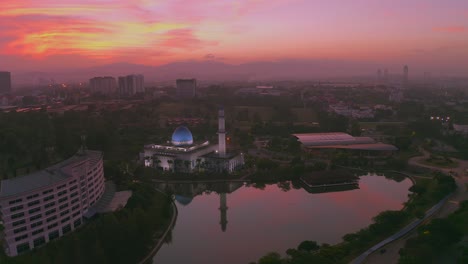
182,137
183,200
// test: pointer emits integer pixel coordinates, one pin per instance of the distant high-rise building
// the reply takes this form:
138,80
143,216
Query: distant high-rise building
379,75
105,85
405,76
385,75
186,88
5,82
131,84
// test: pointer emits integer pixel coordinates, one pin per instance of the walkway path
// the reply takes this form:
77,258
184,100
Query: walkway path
392,249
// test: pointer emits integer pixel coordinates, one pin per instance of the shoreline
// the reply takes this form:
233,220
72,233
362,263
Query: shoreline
161,240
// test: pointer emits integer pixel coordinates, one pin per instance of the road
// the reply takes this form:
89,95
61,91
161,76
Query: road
391,254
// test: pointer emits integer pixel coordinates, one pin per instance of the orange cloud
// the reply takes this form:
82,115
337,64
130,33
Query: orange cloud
184,39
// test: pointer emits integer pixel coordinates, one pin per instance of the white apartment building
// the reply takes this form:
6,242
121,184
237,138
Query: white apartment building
45,205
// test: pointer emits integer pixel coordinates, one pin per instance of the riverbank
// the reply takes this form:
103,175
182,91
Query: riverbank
161,239
427,192
391,254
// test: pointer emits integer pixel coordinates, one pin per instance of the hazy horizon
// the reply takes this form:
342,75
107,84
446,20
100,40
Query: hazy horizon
62,35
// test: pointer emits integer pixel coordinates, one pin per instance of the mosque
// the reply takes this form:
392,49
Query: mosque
182,154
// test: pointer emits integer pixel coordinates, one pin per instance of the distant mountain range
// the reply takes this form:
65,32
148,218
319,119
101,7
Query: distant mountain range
208,71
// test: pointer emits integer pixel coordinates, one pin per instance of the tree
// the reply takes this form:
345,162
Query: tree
308,246
271,258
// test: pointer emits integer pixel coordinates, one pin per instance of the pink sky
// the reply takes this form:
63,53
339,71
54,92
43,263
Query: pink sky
77,33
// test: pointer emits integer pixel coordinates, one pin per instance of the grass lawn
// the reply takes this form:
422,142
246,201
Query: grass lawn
441,163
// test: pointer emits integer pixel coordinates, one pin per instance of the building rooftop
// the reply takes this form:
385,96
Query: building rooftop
338,138
46,177
374,146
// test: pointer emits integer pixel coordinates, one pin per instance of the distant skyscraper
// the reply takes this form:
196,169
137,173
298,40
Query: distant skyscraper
385,75
105,85
186,88
131,84
5,82
405,76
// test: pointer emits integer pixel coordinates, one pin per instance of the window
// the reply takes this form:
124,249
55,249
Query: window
48,198
16,208
75,207
61,200
35,217
19,230
17,223
52,226
61,186
77,223
21,237
33,203
73,188
75,214
66,229
53,235
62,193
35,232
65,219
50,212
15,201
73,194
49,205
52,218
74,201
39,241
36,224
63,206
72,182
32,196
64,212
35,210
22,248
17,215
48,191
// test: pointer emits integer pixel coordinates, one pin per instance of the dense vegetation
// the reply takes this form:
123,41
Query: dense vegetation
436,237
122,237
427,192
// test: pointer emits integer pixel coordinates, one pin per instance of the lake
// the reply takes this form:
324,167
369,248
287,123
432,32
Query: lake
235,223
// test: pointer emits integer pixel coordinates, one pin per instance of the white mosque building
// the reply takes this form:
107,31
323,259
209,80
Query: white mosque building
182,154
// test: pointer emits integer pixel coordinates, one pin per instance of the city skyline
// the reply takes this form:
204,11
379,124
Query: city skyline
51,34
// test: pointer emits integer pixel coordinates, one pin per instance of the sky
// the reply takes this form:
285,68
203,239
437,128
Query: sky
60,34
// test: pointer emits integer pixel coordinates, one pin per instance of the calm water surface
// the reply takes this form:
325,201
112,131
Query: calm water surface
270,219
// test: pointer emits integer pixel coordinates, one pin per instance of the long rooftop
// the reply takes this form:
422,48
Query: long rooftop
46,177
339,140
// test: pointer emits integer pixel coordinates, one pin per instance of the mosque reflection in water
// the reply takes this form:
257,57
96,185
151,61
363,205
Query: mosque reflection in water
185,192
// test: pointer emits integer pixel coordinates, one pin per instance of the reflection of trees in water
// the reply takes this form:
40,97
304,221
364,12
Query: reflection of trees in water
198,188
284,186
395,176
168,238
